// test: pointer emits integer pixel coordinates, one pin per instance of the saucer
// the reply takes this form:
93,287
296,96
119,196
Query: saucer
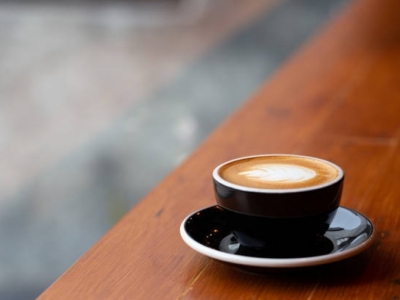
206,231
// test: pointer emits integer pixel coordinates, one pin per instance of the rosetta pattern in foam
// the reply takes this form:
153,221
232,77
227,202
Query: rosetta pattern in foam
279,173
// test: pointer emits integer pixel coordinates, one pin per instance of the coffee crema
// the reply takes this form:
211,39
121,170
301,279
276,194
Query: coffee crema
278,172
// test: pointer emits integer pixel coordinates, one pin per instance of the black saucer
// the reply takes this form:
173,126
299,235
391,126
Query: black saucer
207,232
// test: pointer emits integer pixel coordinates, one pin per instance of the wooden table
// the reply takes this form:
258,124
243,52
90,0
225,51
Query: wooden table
338,98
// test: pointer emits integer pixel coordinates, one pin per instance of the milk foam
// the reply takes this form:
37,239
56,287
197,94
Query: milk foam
279,173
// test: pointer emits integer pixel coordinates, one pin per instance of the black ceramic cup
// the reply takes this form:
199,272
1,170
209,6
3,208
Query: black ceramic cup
278,199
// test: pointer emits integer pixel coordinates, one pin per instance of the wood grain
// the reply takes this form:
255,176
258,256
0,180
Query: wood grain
338,98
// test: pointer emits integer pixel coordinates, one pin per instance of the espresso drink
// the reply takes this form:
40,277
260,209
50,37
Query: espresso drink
279,172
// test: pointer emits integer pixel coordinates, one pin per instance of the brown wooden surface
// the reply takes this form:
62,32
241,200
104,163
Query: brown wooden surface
338,98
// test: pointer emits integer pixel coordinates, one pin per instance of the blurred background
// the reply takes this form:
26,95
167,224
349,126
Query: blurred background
99,100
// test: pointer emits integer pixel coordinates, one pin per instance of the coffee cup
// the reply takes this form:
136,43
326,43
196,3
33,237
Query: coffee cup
278,199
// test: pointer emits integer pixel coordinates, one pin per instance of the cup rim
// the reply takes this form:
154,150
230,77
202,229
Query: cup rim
244,188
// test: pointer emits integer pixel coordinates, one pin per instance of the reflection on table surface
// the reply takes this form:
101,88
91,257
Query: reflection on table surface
100,100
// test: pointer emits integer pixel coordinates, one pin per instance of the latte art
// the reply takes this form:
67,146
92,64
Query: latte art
279,173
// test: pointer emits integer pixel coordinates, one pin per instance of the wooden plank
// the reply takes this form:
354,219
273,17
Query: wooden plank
338,98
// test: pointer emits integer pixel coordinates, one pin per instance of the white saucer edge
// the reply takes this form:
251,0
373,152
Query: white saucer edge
272,262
